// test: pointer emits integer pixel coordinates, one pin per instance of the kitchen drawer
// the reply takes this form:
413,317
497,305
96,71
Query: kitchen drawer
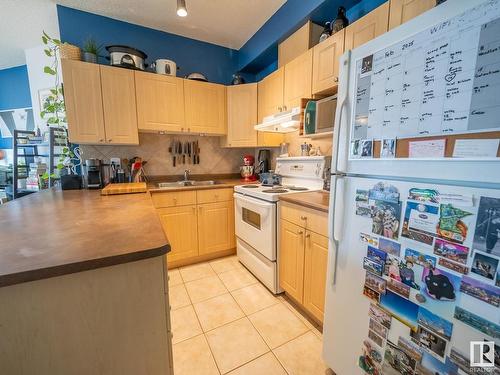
314,220
173,198
214,195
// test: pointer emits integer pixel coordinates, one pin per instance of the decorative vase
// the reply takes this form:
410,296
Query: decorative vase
90,57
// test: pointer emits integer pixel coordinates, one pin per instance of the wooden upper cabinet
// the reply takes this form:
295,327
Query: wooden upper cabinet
205,105
367,27
270,94
83,99
216,227
270,139
315,265
299,42
326,55
404,10
120,111
241,115
291,264
298,80
160,102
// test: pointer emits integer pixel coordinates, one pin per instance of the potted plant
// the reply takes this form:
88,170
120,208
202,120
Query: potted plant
91,50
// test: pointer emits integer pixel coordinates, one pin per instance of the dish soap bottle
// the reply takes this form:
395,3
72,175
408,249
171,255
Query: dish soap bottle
341,21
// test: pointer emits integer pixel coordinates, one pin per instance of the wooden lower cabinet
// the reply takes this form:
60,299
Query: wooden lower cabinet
215,227
315,263
180,226
303,257
291,261
199,224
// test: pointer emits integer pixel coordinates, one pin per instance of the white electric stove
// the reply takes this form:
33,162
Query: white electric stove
256,214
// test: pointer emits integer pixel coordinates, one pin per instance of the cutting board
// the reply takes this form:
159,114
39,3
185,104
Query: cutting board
126,188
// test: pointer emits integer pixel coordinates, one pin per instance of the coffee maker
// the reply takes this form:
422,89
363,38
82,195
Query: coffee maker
264,161
93,174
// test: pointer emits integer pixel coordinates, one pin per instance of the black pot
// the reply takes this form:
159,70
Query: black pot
71,182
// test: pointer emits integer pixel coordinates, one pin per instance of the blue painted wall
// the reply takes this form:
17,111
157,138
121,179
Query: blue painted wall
14,88
216,62
14,93
261,51
257,58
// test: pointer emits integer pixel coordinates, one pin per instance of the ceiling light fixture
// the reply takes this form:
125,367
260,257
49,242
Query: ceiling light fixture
181,8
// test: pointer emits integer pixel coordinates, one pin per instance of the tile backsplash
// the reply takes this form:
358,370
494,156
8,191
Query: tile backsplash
214,159
154,148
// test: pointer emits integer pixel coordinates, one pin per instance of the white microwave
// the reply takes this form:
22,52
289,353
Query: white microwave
319,115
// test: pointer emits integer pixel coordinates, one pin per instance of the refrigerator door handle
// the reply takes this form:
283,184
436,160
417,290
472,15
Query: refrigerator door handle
336,217
343,92
338,214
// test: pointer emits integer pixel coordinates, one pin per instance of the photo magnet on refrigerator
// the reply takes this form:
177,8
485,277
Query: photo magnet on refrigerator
454,223
487,231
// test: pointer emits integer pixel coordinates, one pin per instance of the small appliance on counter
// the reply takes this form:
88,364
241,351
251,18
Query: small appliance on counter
270,179
93,174
247,169
264,161
126,57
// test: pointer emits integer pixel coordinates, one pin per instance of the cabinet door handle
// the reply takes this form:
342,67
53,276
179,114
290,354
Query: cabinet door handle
189,129
301,232
303,217
175,201
101,140
280,109
308,235
109,140
336,79
182,129
284,108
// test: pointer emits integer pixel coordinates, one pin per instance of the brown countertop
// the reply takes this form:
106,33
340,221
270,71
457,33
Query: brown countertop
318,200
53,233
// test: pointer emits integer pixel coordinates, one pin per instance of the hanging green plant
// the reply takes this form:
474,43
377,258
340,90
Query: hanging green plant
53,109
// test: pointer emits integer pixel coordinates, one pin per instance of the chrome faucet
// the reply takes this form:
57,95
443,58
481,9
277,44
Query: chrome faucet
186,174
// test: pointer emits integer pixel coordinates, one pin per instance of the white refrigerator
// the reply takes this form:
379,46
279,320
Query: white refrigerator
414,249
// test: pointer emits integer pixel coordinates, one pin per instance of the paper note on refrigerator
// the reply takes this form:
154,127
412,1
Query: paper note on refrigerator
427,149
476,148
443,80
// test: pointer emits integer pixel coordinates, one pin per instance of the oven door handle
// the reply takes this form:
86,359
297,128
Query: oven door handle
254,202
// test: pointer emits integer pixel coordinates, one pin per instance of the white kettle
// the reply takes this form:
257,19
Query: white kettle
167,67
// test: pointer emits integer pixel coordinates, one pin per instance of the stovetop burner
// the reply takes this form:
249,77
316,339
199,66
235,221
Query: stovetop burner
250,186
277,191
298,188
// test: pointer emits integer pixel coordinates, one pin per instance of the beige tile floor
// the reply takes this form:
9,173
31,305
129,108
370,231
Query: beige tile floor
225,322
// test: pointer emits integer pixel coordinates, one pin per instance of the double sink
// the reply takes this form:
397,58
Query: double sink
186,183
